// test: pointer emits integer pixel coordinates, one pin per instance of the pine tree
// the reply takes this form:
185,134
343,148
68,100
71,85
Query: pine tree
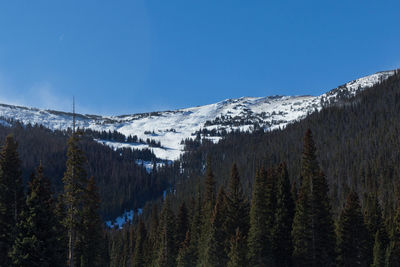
90,238
393,250
195,227
61,230
313,230
375,225
281,234
237,208
12,196
153,236
207,212
185,256
270,199
215,254
182,222
259,245
301,230
75,183
168,247
140,245
237,254
378,252
352,240
36,243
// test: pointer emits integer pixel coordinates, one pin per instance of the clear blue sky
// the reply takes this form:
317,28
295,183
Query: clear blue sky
121,57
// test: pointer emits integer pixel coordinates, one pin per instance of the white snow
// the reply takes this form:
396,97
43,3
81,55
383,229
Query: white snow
126,217
171,127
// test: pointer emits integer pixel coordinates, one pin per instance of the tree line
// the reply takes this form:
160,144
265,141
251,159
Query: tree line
120,180
282,224
39,229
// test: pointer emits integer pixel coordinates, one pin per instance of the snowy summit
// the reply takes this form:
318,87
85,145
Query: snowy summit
171,127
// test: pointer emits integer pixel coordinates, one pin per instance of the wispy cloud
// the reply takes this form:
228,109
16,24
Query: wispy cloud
41,95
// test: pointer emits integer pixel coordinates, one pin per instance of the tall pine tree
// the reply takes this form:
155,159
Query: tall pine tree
75,183
313,229
352,234
393,250
259,245
37,243
237,254
167,245
90,239
12,198
237,209
284,213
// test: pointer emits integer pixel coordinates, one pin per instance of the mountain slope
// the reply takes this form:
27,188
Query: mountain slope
171,127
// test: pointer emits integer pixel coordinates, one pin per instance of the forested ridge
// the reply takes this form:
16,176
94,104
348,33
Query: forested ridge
351,220
122,183
324,191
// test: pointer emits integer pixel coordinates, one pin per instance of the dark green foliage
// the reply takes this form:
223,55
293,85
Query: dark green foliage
302,231
214,249
182,223
11,195
139,258
36,243
75,183
378,252
237,254
167,245
195,227
281,234
377,238
313,229
270,199
122,182
393,250
90,240
206,212
352,234
185,256
260,250
237,209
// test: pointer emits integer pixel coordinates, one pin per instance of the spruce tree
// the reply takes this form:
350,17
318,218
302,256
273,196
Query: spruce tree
375,225
378,252
237,254
195,227
313,230
75,183
168,248
182,222
12,198
259,245
237,209
36,243
302,232
284,213
215,254
393,250
352,234
139,258
90,238
207,211
270,199
185,255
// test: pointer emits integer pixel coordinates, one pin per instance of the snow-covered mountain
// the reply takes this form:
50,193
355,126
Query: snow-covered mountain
171,127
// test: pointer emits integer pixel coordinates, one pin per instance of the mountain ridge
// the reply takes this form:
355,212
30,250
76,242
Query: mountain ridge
172,126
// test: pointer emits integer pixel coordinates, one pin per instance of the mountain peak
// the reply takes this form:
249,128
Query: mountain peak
171,127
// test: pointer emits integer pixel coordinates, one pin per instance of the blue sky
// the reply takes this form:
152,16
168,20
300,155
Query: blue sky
119,57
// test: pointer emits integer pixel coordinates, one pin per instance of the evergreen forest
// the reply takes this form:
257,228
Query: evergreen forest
324,191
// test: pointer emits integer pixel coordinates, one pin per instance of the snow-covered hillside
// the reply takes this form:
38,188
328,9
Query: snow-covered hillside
171,127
